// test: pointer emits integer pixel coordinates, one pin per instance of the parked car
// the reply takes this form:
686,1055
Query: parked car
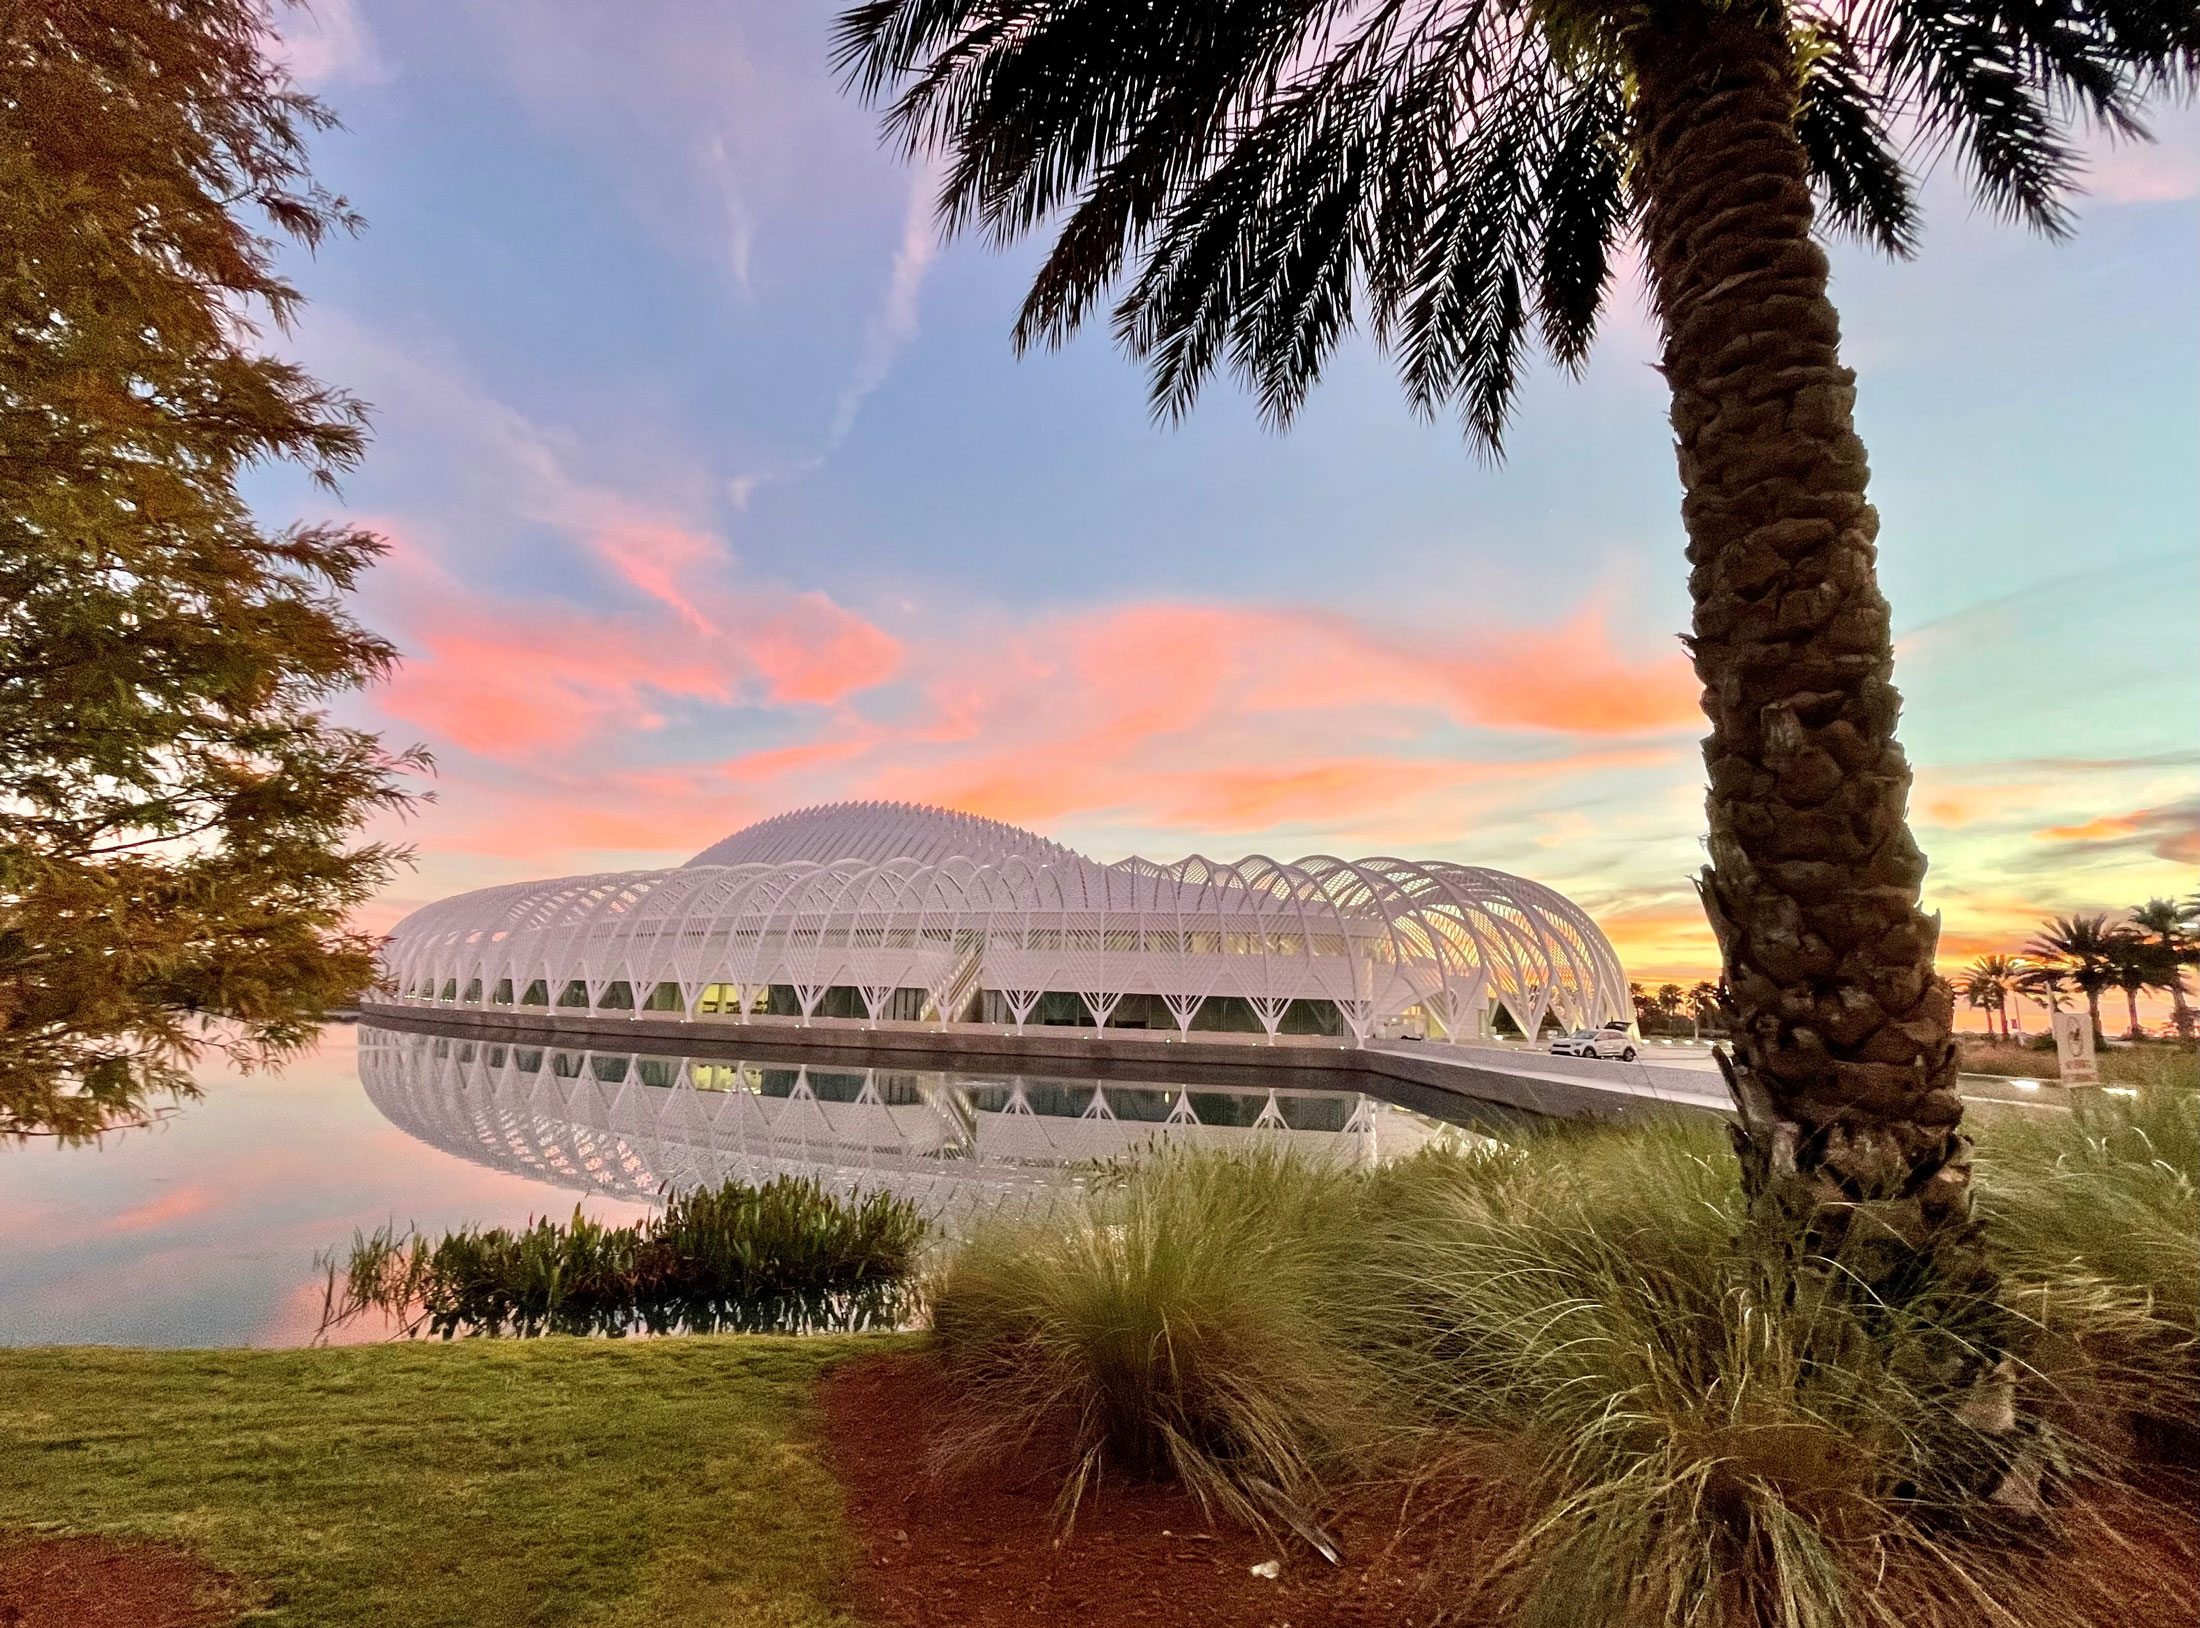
1610,1041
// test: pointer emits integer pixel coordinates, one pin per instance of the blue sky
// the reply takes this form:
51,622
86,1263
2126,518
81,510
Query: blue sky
715,488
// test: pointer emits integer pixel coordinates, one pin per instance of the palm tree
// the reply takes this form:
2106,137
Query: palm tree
1261,175
2171,928
1703,1005
2083,949
2002,972
1985,988
2136,962
2010,969
2042,982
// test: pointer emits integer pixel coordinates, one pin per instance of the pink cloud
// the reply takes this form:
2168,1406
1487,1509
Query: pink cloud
1160,714
1228,718
2147,172
179,1204
512,680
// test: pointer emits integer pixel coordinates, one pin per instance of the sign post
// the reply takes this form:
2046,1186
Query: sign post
2074,1050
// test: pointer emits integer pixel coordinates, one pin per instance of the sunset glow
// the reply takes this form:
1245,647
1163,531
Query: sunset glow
714,489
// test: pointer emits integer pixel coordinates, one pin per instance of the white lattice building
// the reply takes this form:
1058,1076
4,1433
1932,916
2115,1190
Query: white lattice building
886,912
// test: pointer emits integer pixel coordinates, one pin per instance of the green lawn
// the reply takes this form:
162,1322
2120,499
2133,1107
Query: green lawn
482,1483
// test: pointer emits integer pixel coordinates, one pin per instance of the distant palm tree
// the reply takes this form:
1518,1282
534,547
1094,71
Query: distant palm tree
1704,1003
1985,987
2003,970
2084,950
2174,930
2138,963
2042,983
2013,968
1669,1001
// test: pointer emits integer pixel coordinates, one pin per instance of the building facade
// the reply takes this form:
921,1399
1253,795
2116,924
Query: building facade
873,913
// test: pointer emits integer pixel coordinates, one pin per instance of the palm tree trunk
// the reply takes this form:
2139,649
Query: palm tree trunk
1845,1065
2131,1000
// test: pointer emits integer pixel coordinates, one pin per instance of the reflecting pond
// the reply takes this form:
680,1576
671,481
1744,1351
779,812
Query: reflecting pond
203,1230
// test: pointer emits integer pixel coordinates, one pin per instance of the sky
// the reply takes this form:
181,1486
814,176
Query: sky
713,487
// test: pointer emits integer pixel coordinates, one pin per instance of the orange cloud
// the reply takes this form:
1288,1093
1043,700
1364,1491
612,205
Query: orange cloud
1661,938
2101,829
2170,832
1952,806
1227,717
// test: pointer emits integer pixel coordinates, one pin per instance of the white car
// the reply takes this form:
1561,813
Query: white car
1609,1042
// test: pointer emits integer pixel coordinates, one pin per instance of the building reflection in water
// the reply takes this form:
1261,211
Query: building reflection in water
634,1124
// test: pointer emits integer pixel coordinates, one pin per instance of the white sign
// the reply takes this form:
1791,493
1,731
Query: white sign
2074,1048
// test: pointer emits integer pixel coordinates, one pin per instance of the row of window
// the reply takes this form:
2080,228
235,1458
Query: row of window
1214,1014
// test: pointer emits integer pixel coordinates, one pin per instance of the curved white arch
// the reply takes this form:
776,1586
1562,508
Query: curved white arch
944,917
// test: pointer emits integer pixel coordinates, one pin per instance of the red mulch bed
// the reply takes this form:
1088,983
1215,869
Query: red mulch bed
95,1582
978,1550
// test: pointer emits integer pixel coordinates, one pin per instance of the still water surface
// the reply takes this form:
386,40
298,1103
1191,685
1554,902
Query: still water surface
203,1230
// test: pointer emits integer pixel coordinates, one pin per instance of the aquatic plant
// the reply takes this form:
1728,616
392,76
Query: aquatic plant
786,1255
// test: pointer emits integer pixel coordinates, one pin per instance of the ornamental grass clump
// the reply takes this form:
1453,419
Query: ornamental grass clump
2094,1216
1694,1429
1177,1321
785,1256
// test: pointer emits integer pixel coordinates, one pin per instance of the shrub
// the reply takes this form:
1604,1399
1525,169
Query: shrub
786,1255
1176,1321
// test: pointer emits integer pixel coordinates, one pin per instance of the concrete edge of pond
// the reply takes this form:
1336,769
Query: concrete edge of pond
1523,1082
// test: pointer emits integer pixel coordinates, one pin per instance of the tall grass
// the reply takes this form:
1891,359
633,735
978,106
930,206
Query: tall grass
1177,1323
2095,1215
1696,1432
1577,1334
785,1256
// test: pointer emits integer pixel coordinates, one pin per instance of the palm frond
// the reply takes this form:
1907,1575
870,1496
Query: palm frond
2002,82
1257,175
1854,163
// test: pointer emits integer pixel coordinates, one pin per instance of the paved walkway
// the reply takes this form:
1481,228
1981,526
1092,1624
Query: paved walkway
1684,1078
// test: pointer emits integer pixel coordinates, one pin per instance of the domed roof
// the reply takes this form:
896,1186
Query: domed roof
873,832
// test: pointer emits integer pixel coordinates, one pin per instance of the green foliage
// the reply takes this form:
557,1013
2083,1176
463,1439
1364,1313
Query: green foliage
1582,1328
490,1484
1178,1322
178,816
785,1256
